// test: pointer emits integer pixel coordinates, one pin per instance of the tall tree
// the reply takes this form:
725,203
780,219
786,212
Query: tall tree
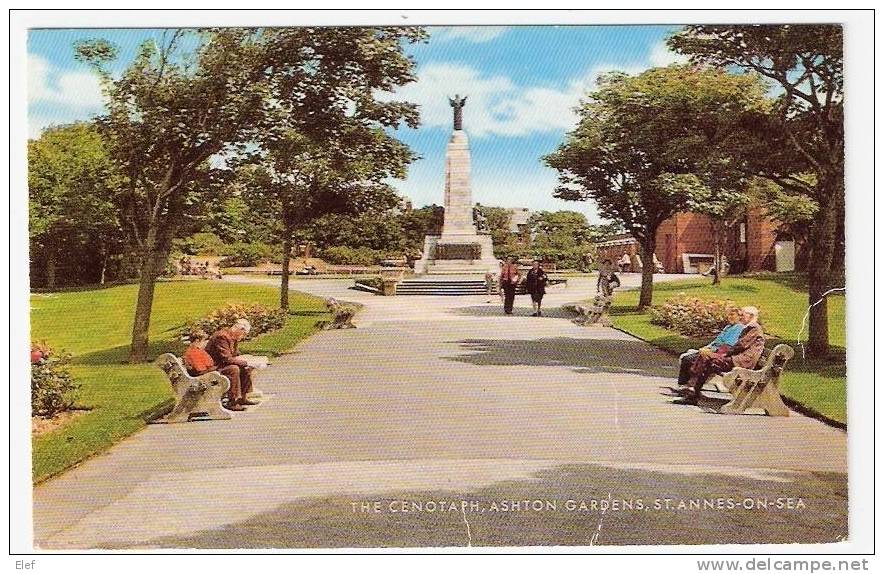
564,237
194,96
300,180
795,214
73,184
803,133
418,223
724,203
642,147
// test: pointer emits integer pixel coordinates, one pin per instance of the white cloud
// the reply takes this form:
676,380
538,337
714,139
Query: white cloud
56,96
472,34
662,56
495,104
73,89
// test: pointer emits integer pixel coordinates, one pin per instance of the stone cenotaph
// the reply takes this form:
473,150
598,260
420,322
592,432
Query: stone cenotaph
461,249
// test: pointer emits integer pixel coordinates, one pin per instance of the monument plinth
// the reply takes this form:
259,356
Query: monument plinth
460,249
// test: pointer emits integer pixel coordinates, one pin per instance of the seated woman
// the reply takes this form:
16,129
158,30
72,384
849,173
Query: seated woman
196,360
726,339
745,353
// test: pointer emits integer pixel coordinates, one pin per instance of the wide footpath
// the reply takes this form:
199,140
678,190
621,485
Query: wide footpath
440,421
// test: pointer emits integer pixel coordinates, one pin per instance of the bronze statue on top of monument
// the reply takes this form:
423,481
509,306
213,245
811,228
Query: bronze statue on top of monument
458,103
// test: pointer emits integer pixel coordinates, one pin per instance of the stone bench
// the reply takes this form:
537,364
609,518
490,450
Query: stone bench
594,314
754,391
196,398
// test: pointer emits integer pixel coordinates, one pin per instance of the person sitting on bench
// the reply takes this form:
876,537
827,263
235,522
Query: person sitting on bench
745,354
223,347
725,340
196,360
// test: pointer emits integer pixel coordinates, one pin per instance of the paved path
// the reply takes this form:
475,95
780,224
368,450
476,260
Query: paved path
444,398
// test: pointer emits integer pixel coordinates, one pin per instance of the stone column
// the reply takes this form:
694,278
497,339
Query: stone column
458,193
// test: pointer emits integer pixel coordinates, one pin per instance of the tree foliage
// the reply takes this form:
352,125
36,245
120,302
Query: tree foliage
647,147
801,134
74,189
195,98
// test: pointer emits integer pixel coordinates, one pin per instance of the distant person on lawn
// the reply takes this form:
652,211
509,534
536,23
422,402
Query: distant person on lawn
725,340
535,285
745,354
223,347
509,280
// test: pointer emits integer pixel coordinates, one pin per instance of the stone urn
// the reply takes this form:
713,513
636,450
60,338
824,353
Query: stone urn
389,279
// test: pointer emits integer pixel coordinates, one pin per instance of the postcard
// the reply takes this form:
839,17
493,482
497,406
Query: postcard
437,284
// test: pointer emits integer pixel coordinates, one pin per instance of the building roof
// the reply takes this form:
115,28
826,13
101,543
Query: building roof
621,239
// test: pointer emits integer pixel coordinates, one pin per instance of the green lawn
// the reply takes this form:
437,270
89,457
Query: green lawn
820,385
95,327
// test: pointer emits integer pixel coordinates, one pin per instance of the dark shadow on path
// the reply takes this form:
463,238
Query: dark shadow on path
492,310
584,355
744,511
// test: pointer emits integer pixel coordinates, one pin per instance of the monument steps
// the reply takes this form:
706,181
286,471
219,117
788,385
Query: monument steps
441,287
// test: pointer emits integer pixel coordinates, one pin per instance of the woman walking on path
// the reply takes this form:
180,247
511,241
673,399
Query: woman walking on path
535,284
509,279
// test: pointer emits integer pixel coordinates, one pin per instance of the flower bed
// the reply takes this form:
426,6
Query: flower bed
692,316
262,318
53,390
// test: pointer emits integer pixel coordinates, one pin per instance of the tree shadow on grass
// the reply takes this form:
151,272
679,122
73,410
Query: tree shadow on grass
584,355
120,354
744,287
794,281
306,313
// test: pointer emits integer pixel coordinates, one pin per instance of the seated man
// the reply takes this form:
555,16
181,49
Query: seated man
727,337
745,354
223,347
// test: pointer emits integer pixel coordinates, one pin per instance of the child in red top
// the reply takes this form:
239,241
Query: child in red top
196,359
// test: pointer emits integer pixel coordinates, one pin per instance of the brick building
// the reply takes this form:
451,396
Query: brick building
685,244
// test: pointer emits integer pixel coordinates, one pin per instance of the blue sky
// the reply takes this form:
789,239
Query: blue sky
522,84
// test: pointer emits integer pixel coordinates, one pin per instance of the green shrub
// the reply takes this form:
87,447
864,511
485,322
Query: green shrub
203,243
375,282
343,255
246,255
263,319
692,316
53,390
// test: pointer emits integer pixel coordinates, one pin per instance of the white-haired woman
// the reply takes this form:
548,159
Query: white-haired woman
745,353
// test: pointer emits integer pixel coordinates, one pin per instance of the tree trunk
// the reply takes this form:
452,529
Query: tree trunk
155,255
50,266
103,265
716,258
143,307
286,259
647,291
822,248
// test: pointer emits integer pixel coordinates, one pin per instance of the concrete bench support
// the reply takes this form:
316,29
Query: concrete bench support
196,398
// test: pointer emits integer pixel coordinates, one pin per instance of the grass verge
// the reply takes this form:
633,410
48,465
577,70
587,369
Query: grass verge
95,326
817,386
